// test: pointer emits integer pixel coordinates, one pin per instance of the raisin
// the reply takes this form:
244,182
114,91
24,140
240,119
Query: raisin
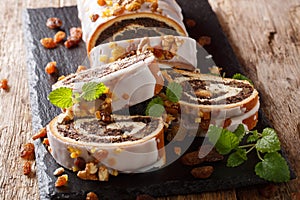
53,22
27,168
191,158
202,172
94,17
3,84
59,36
80,163
27,151
48,43
50,68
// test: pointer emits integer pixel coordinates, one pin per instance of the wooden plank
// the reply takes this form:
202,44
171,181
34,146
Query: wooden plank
266,39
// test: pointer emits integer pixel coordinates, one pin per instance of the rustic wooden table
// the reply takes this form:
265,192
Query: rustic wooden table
265,35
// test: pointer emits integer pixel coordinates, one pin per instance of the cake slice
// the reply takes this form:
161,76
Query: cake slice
104,19
209,99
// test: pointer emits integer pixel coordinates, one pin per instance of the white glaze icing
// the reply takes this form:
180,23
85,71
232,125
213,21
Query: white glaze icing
130,156
138,82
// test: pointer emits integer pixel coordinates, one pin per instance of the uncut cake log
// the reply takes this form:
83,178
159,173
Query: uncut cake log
126,143
209,99
100,19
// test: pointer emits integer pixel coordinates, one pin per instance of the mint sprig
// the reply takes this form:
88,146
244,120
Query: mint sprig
239,76
240,143
174,91
155,108
61,97
64,97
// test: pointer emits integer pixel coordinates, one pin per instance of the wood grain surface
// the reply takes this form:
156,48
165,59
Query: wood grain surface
265,35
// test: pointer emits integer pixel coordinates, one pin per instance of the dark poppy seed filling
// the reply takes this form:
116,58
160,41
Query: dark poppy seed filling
122,130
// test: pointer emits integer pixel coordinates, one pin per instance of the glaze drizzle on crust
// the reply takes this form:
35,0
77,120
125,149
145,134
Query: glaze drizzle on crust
128,144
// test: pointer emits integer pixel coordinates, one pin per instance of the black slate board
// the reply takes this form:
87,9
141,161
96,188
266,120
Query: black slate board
172,180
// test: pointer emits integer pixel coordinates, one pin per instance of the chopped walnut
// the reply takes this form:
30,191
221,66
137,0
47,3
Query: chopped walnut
61,180
91,196
59,171
27,151
133,6
41,134
53,22
103,173
89,173
48,43
59,36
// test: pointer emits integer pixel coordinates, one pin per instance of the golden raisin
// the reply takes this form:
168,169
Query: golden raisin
46,141
59,36
76,32
101,2
53,22
71,42
27,168
50,67
41,134
91,196
81,68
94,17
61,180
48,43
3,84
27,151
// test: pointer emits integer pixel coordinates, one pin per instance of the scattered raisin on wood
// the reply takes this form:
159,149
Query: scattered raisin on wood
48,43
27,168
27,151
4,84
91,196
202,172
50,67
53,22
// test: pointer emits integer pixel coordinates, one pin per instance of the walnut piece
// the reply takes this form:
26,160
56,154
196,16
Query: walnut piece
61,180
103,173
27,151
41,134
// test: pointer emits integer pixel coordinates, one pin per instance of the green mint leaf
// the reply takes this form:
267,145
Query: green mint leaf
237,158
61,97
273,168
240,132
269,141
224,140
254,137
239,76
92,90
174,91
155,107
